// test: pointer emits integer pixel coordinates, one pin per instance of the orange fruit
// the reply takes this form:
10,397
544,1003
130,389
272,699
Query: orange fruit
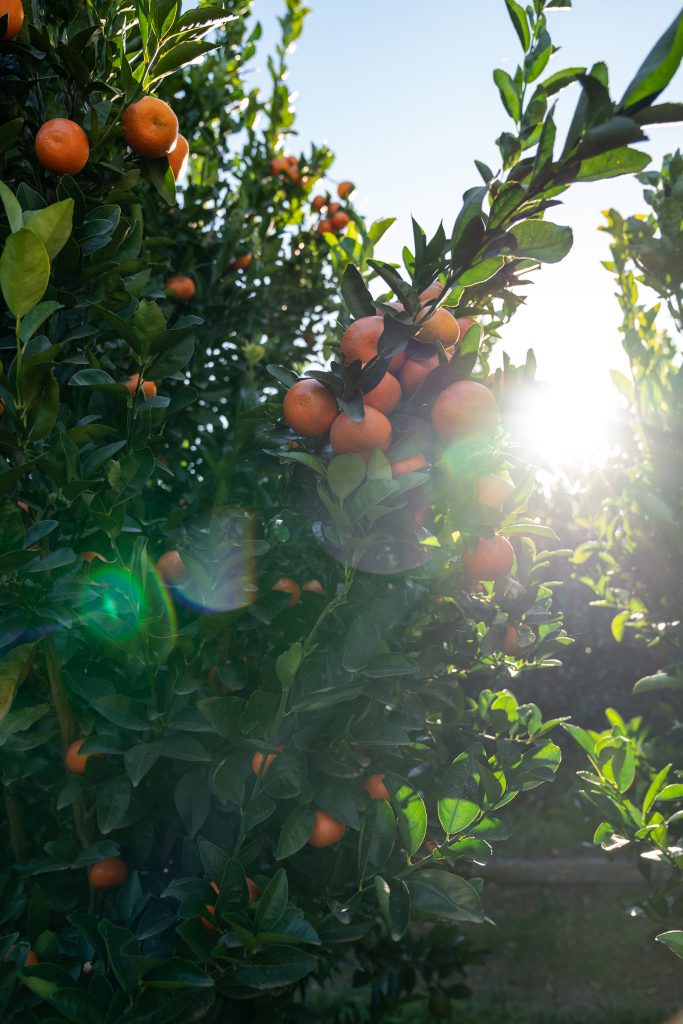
344,189
410,465
253,893
278,164
15,18
385,396
309,408
293,161
361,337
324,226
432,292
76,762
171,568
373,431
375,788
252,889
180,288
148,387
288,586
31,959
257,760
314,587
397,362
333,208
317,203
464,323
177,158
340,220
62,146
90,556
493,490
292,173
442,327
326,831
510,645
150,127
242,262
491,559
465,410
414,372
109,873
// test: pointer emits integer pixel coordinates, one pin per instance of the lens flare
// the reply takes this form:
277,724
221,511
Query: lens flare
117,606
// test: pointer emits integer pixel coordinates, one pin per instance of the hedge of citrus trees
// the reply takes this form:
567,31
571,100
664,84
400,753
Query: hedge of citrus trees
256,720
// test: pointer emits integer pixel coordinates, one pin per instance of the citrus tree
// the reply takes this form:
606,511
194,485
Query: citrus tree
255,712
633,562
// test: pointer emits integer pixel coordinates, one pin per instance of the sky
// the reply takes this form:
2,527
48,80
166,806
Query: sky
403,93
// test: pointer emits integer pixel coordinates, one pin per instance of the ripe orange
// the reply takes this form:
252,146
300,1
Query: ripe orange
178,156
385,396
314,587
252,889
109,873
433,291
326,831
344,189
442,327
324,226
397,362
493,490
150,127
361,337
76,762
410,465
62,146
510,645
180,288
491,559
464,410
242,262
288,586
340,220
309,408
464,323
375,788
171,568
414,372
373,431
15,18
31,959
278,164
293,161
257,760
317,203
333,208
148,387
90,556
253,893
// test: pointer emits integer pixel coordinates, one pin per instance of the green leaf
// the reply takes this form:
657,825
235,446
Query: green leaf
140,759
447,897
394,902
355,293
412,817
274,967
519,20
345,473
618,623
52,225
177,973
295,831
508,93
12,207
37,317
377,837
14,667
659,681
192,801
273,903
113,800
24,271
657,69
672,939
288,663
459,795
540,240
611,164
673,792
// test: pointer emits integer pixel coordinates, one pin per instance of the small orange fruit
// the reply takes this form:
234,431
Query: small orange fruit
150,127
252,889
465,410
411,465
333,208
491,559
171,568
62,146
340,220
344,189
288,586
326,831
493,490
178,156
314,587
361,337
278,164
31,959
510,645
375,788
15,17
76,762
441,326
258,758
309,408
148,387
317,203
180,288
397,362
109,873
324,226
385,396
90,556
432,292
242,262
414,372
363,436
464,323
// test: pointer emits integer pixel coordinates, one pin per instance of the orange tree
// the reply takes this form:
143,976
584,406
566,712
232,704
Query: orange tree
239,745
633,562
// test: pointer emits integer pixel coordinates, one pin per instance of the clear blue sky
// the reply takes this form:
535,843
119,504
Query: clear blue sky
402,91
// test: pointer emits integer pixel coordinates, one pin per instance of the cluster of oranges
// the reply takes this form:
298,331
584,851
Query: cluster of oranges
333,219
150,128
288,167
462,412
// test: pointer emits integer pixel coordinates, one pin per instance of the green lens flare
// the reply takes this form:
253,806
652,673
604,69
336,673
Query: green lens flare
117,607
